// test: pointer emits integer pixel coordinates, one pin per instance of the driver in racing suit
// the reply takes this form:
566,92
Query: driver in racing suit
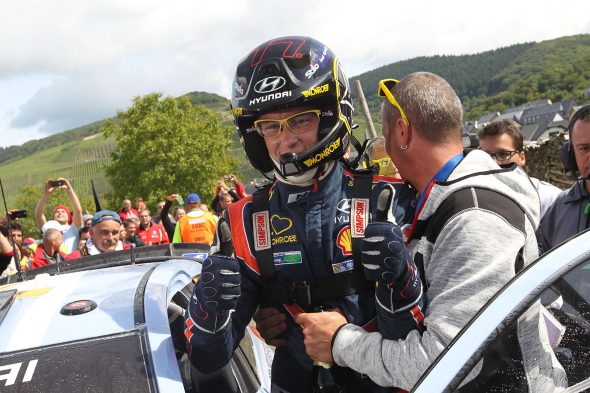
294,242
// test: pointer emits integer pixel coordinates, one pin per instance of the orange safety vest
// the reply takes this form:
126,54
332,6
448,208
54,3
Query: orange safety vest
199,229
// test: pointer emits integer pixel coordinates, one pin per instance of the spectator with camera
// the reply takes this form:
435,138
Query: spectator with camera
16,233
168,221
13,232
236,193
156,218
70,223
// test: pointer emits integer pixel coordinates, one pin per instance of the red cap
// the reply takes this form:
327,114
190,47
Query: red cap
70,217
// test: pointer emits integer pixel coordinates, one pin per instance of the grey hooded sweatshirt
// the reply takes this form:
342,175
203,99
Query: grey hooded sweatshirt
472,258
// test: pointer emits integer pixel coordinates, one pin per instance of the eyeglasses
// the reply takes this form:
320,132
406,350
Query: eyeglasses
385,86
298,123
382,162
502,155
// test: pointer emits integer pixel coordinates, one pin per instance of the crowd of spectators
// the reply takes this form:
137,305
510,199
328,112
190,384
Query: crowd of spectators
72,232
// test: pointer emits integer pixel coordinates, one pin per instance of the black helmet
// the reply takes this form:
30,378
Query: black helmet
289,72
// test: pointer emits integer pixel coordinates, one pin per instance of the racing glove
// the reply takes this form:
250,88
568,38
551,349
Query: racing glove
386,260
216,293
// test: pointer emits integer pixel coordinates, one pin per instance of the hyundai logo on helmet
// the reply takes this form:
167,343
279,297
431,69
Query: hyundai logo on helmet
269,84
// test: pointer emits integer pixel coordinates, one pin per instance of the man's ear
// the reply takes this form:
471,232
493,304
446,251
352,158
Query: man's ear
406,134
522,156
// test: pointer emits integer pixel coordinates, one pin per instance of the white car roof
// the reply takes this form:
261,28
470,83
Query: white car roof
34,318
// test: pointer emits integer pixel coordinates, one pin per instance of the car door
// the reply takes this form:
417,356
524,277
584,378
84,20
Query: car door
533,336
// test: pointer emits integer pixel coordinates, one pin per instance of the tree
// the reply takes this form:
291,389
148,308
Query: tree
166,146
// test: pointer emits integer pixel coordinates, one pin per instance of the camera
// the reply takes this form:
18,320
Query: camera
18,214
57,183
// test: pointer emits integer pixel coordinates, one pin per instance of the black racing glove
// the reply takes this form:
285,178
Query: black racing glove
387,261
216,293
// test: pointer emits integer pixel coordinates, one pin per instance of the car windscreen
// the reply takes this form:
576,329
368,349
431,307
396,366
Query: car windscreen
115,363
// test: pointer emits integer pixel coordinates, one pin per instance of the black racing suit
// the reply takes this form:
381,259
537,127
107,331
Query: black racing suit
310,234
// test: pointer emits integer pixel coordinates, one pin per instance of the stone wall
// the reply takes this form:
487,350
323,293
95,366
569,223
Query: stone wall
542,161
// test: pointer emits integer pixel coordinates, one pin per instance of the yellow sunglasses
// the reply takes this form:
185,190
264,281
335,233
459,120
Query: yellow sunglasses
385,86
382,162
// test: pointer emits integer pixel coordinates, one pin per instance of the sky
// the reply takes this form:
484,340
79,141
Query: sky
64,64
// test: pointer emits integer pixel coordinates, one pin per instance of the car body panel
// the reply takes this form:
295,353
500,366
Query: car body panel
135,292
34,319
166,280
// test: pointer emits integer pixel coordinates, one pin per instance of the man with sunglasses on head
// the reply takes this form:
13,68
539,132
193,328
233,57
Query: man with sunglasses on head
503,141
104,236
474,228
298,242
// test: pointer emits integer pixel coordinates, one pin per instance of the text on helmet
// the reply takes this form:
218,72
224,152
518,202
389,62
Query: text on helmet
270,97
322,155
316,90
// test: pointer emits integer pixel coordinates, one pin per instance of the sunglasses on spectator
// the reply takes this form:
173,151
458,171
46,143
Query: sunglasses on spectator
385,86
299,123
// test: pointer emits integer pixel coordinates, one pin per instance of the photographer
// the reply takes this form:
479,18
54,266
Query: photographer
220,202
12,231
70,224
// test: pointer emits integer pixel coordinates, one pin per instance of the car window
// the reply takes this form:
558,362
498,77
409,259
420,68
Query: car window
548,345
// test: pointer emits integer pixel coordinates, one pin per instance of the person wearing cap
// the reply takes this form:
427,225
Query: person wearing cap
197,226
70,223
87,220
29,242
104,235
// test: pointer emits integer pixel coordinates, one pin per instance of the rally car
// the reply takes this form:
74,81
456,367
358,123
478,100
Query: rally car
114,323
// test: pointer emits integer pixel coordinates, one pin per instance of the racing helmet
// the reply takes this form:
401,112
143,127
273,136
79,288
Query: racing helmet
289,72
